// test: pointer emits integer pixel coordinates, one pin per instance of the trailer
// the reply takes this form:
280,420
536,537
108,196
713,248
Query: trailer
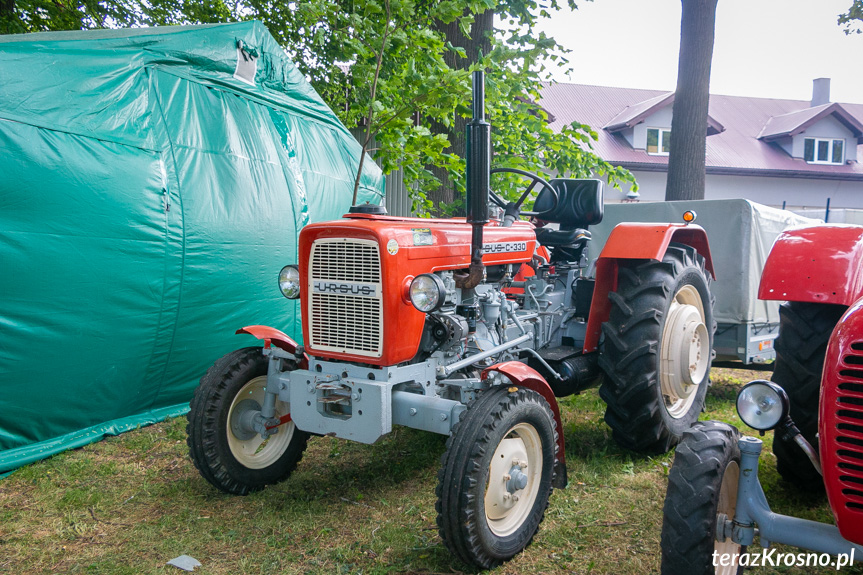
741,233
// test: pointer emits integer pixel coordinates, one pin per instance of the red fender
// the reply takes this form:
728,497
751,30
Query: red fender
840,435
819,264
636,241
521,374
272,336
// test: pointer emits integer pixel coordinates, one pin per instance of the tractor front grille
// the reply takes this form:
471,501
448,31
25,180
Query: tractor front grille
345,297
848,431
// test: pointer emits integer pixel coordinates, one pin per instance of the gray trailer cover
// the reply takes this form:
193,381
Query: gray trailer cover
741,234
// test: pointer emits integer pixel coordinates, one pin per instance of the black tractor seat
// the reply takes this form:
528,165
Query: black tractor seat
580,203
554,238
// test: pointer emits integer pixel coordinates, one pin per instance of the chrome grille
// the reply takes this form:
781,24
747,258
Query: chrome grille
339,322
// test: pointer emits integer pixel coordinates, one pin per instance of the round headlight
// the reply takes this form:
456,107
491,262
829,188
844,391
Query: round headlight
762,405
427,292
289,282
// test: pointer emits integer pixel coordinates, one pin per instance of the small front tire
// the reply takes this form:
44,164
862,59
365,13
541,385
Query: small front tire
226,452
702,484
496,476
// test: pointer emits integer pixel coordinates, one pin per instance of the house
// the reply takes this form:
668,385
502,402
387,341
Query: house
788,153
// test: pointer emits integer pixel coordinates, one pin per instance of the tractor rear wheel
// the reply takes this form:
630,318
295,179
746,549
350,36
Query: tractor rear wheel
496,476
804,330
702,486
225,450
657,350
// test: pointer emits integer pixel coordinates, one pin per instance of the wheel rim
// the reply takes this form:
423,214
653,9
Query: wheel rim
685,351
513,481
248,447
727,505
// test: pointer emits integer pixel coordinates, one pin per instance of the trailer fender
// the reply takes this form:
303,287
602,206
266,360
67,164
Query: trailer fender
636,241
524,376
818,264
272,336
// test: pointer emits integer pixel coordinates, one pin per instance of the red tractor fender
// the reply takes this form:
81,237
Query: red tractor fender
819,264
521,374
636,241
272,336
840,433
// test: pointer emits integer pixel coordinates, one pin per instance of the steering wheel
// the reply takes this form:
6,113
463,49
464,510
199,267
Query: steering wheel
534,180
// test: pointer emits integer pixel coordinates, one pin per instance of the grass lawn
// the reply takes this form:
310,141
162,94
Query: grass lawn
129,504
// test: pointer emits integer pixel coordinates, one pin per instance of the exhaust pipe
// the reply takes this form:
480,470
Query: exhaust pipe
478,159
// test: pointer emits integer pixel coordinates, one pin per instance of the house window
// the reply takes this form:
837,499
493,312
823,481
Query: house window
818,151
658,141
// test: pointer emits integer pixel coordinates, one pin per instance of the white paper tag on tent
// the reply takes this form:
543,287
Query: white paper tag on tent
247,66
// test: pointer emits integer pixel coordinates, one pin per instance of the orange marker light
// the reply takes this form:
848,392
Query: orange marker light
689,216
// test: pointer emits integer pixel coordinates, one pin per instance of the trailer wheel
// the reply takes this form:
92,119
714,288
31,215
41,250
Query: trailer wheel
222,445
702,486
804,331
657,350
496,476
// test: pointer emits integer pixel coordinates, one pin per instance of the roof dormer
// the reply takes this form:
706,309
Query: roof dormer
647,125
824,133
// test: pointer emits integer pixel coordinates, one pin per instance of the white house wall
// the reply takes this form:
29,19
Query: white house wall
661,119
797,193
828,128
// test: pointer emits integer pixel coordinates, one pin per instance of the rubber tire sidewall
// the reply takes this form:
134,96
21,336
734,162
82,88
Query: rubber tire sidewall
464,473
207,427
631,387
694,483
804,332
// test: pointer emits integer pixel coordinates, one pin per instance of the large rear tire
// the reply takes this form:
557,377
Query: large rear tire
496,476
702,484
804,331
225,451
657,350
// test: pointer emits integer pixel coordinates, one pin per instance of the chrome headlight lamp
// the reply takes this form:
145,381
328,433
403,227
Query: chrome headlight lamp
762,405
289,282
427,292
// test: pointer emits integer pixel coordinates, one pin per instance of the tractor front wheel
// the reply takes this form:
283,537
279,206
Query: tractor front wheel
224,447
496,476
657,350
702,488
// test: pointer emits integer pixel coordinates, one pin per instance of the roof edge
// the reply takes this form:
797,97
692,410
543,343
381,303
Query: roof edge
834,108
763,173
623,120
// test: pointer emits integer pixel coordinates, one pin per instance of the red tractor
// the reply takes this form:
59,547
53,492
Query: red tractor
715,506
422,323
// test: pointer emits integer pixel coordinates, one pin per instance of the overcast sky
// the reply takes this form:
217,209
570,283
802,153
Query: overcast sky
763,48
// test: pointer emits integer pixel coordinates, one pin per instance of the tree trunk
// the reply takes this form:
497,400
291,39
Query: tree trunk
686,158
478,43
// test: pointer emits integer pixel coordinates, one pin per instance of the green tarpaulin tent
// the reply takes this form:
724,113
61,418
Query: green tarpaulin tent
152,184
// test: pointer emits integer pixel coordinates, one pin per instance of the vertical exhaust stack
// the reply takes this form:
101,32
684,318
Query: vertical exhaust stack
478,159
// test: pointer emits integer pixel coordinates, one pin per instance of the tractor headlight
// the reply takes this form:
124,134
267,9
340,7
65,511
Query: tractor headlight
427,292
762,405
289,282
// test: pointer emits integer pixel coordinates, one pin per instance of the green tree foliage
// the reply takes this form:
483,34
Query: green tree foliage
22,16
383,65
851,20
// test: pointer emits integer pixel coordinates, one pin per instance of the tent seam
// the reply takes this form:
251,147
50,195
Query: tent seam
182,244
